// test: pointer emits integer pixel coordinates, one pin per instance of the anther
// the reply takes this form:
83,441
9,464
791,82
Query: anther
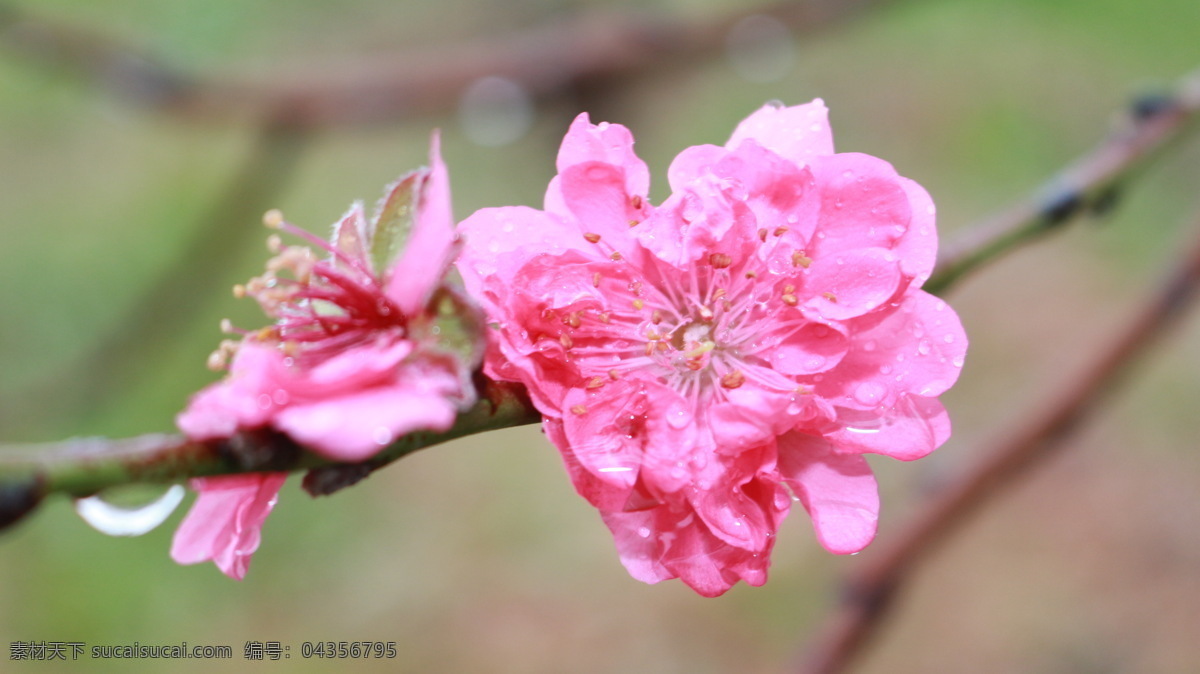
656,317
239,291
596,280
638,304
751,274
829,296
780,231
578,409
227,326
762,235
614,375
733,379
566,340
273,218
274,244
789,300
720,260
799,259
595,383
636,201
604,317
615,256
572,319
592,237
634,223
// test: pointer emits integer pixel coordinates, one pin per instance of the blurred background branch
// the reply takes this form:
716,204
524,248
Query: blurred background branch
1089,186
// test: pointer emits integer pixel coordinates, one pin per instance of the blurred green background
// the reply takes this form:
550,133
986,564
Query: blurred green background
477,555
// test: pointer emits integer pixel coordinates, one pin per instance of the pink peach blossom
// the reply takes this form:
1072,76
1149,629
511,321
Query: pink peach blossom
357,356
701,363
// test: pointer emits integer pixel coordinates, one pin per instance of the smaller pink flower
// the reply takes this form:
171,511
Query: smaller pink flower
363,350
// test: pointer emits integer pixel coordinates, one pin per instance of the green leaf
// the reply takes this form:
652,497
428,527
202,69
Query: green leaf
394,218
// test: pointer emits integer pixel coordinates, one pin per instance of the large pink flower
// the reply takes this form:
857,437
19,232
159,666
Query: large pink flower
359,355
701,362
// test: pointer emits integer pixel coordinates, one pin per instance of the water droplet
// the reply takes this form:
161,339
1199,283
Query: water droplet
382,436
869,392
924,347
885,369
280,397
869,345
264,401
958,361
949,339
644,532
117,521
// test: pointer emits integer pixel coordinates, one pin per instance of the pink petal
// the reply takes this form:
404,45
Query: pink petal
838,490
909,429
799,133
355,426
693,164
608,143
814,348
917,249
225,523
241,400
849,284
917,348
431,245
500,240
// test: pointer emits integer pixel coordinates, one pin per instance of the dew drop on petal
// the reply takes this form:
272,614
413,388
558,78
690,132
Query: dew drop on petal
924,347
117,521
869,392
382,436
644,532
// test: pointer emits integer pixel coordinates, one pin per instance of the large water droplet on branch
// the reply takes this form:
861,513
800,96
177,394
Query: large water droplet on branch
120,521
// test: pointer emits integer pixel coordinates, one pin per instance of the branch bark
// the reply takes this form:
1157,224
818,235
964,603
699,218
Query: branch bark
1088,185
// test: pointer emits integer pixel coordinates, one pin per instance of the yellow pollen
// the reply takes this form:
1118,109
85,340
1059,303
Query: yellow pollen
273,218
720,260
579,409
566,340
780,231
595,383
653,336
634,223
789,300
592,237
829,296
638,304
239,291
733,379
572,319
803,390
265,334
799,259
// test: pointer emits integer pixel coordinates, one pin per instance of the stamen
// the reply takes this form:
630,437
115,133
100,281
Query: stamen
579,409
615,256
595,383
829,296
790,300
636,201
596,280
733,379
799,259
656,317
592,237
273,218
614,375
780,231
720,260
566,340
638,304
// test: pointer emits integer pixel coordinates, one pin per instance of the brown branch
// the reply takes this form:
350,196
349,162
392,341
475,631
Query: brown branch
872,586
549,60
1088,185
85,466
